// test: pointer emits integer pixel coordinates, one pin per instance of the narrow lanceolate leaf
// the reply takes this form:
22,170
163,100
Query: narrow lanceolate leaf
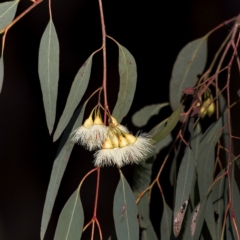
166,222
149,234
141,117
128,80
77,91
190,62
59,166
125,212
48,70
7,13
1,73
218,202
195,222
236,206
71,219
184,185
171,123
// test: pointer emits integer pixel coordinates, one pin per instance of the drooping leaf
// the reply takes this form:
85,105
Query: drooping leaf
206,160
218,202
1,73
184,185
210,219
171,123
235,206
128,80
125,211
166,222
7,13
71,219
141,117
195,141
143,212
59,166
77,91
189,63
48,70
195,222
149,233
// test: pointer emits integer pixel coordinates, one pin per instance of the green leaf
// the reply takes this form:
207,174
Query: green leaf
71,219
195,222
205,162
149,233
166,222
189,63
171,123
210,219
128,79
141,117
235,205
1,73
184,185
143,211
48,70
195,141
77,91
59,167
125,212
218,202
7,13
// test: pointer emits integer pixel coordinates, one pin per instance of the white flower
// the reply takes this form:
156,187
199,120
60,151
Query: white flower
91,134
132,150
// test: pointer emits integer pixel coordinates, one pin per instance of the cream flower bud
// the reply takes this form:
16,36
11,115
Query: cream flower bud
130,138
107,144
88,122
115,141
122,141
114,121
98,121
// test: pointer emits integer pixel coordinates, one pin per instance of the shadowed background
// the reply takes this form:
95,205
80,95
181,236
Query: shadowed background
154,33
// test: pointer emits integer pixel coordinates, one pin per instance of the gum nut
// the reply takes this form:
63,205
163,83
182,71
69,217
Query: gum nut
122,141
107,144
98,121
114,121
88,123
115,141
130,138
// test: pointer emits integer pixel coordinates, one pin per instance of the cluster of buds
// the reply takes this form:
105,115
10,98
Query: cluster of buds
116,146
208,106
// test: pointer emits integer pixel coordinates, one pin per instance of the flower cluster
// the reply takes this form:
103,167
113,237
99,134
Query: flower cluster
116,145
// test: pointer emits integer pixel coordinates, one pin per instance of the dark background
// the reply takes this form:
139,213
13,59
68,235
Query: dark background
153,31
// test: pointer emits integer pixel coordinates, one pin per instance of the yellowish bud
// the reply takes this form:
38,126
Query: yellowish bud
88,122
122,141
115,141
98,121
211,109
114,121
107,144
130,138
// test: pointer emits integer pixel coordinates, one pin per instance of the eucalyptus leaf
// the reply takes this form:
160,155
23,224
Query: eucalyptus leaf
166,222
77,91
143,212
1,73
195,222
48,70
71,219
149,233
171,123
7,13
128,79
125,212
184,185
59,167
141,117
189,64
